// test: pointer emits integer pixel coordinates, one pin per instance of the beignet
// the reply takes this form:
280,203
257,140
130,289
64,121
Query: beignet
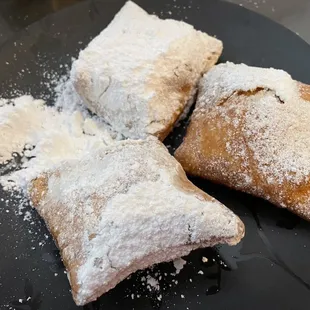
250,131
124,208
141,72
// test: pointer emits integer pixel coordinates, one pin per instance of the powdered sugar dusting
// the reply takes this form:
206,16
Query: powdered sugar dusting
278,136
67,98
69,101
225,79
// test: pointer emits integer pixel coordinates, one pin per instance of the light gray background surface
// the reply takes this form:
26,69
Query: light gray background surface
17,14
293,14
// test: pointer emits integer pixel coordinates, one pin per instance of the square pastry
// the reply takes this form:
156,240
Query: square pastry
140,74
124,208
250,130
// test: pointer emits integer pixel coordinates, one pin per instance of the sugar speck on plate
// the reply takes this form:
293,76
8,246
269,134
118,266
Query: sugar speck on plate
27,216
200,272
179,264
152,283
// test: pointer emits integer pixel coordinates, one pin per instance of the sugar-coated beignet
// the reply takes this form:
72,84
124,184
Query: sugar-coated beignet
141,72
250,131
124,208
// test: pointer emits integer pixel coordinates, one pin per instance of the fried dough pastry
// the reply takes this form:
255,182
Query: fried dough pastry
141,72
125,208
250,131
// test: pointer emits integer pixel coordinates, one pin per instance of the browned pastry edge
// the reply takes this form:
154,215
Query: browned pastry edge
184,250
187,186
304,90
38,191
294,195
186,90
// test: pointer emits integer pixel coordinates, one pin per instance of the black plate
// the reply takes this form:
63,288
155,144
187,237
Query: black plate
268,270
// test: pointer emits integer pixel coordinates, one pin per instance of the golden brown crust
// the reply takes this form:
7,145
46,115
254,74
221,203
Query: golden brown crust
174,82
185,91
204,153
37,192
304,90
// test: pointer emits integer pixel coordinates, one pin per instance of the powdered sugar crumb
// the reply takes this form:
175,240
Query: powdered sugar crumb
152,283
27,216
179,264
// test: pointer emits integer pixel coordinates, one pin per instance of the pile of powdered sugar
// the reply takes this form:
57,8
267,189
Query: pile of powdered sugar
42,137
69,101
